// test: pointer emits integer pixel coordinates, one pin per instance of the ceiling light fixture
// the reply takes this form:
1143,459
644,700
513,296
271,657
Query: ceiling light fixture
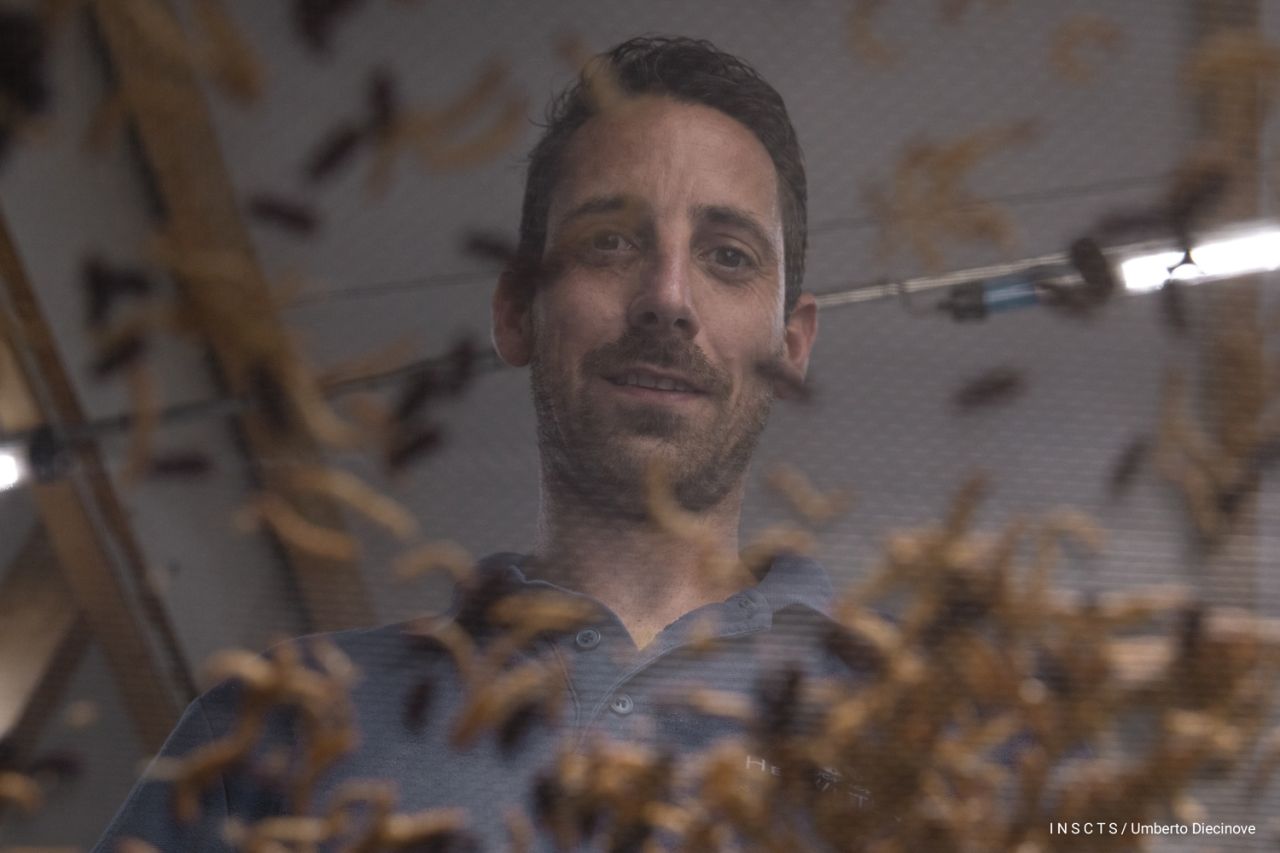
13,468
1239,254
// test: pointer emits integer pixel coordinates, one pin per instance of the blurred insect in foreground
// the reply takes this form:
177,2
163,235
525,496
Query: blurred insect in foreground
24,88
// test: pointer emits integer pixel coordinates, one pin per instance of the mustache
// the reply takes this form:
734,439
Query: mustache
662,352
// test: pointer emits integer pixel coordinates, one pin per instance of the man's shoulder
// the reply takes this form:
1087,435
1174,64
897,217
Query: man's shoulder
391,643
797,581
378,644
409,650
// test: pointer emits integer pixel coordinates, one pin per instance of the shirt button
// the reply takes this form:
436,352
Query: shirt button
622,704
746,604
588,638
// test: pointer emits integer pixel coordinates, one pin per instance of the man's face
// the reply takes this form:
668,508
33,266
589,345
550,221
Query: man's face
664,242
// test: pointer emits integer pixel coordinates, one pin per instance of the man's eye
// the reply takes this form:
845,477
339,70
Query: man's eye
605,249
608,242
731,258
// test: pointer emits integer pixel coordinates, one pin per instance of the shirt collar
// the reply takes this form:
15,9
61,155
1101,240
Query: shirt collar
793,579
790,580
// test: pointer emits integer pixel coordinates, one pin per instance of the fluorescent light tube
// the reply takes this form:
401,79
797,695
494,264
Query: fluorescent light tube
13,468
1241,254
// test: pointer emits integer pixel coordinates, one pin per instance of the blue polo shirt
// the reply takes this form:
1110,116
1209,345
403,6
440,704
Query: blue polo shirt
611,689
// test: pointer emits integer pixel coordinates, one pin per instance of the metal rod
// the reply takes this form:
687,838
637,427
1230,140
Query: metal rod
228,406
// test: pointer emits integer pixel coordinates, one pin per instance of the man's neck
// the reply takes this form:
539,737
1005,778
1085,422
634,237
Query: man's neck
646,575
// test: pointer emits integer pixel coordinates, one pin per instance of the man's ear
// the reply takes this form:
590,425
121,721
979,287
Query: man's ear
513,320
801,332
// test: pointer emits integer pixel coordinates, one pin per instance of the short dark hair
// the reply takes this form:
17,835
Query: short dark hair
692,71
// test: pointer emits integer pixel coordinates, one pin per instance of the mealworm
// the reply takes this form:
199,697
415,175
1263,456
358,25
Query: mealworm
408,444
124,351
816,507
449,636
188,463
334,151
536,612
597,76
314,411
1128,462
995,386
443,829
772,541
468,104
289,524
20,790
23,80
106,285
864,43
420,389
1235,71
717,703
134,845
521,834
80,714
230,59
1073,36
1094,268
926,202
269,397
491,704
286,213
315,20
489,246
665,509
278,834
385,359
1265,767
383,100
484,146
280,679
1173,306
350,490
446,556
417,706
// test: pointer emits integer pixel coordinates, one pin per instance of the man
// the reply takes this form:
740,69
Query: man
675,240
659,267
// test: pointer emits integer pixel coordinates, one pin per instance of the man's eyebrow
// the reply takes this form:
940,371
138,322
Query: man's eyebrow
721,214
597,204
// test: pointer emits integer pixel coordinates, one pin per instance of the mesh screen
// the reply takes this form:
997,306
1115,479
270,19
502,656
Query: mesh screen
315,202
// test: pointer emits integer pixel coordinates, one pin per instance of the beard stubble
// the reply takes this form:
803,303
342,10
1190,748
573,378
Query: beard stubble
584,443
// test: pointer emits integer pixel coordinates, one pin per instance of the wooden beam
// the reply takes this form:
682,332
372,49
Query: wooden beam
237,314
39,618
42,638
146,664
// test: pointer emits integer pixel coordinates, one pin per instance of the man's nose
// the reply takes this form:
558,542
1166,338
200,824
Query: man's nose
663,302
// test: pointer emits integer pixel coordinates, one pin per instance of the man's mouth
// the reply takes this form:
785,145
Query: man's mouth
654,381
631,380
